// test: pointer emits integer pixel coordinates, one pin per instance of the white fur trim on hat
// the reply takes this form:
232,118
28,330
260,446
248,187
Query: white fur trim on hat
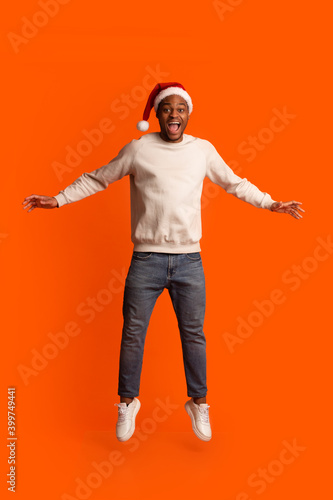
143,125
173,91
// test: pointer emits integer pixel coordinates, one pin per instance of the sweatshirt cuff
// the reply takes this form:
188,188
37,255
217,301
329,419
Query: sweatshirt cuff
267,201
61,200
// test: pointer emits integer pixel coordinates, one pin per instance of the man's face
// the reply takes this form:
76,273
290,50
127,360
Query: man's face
173,116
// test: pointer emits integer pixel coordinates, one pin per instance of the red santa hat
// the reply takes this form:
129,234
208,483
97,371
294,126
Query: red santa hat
160,92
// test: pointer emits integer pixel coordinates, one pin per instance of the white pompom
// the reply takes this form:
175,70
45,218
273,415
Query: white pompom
143,125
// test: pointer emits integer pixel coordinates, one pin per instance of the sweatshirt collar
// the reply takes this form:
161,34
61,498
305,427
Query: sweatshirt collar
171,144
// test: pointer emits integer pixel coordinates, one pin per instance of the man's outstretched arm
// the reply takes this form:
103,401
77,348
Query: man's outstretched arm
88,183
220,173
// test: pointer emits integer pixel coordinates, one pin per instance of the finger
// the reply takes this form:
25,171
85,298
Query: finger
29,204
27,201
296,215
292,203
295,204
32,205
31,196
295,207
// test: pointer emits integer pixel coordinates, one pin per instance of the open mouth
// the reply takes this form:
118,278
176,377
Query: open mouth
173,127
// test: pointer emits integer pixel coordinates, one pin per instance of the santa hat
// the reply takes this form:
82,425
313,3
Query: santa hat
159,92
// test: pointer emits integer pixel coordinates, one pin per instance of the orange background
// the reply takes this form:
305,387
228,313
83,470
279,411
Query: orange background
274,387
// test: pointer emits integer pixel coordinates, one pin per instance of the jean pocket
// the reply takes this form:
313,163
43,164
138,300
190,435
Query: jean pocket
142,255
193,256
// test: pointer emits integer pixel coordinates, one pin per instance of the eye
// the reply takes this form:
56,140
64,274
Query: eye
181,110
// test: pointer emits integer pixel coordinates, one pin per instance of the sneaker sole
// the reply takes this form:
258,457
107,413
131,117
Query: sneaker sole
132,429
194,427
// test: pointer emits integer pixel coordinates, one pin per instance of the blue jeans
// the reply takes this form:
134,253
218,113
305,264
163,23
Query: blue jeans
183,275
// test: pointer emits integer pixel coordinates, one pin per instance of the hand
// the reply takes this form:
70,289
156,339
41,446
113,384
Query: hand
38,201
288,207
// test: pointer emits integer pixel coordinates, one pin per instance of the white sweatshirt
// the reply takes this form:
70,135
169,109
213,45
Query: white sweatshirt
166,181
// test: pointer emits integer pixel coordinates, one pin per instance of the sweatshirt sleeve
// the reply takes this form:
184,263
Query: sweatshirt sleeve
92,182
220,173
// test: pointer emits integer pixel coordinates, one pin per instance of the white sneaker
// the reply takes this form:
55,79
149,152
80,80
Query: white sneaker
200,419
126,419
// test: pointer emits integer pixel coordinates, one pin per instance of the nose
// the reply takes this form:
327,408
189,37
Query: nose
173,113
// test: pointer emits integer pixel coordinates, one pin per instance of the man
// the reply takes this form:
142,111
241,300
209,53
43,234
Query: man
166,172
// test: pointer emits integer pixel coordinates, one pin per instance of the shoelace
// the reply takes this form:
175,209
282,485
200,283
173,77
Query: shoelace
204,415
122,412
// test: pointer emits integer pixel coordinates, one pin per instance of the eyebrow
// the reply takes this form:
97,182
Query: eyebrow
178,104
